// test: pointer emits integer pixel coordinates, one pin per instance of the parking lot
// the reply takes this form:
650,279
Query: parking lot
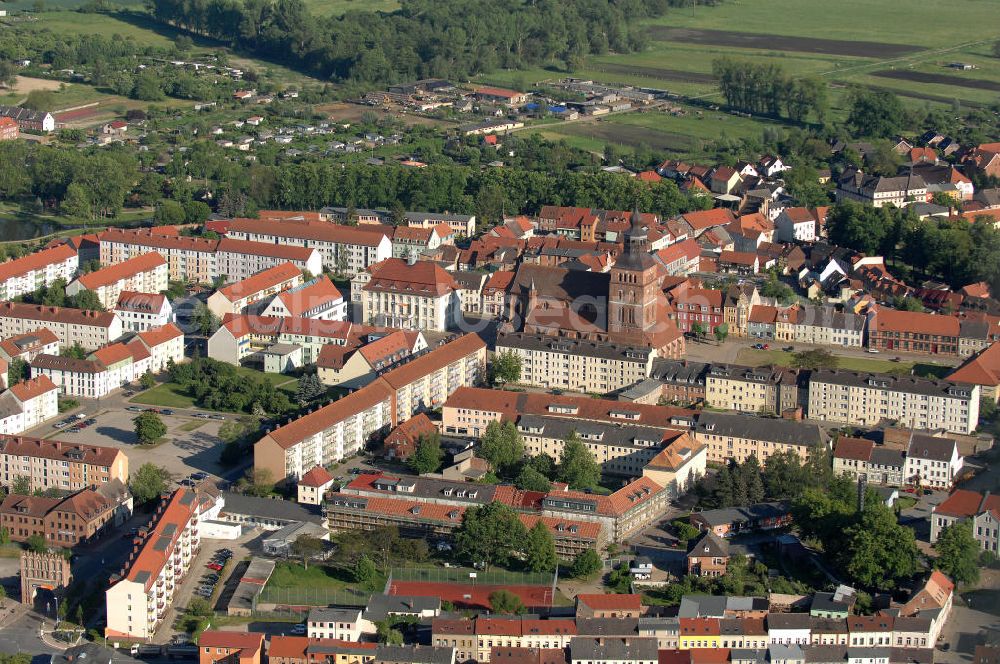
192,443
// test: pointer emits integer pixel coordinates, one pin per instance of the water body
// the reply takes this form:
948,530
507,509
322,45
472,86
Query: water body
13,228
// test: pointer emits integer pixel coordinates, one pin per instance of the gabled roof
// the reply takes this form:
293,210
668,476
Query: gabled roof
269,278
709,545
422,278
112,274
316,477
610,602
35,261
858,449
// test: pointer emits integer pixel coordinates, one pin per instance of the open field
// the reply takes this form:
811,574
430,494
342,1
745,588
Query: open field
340,7
106,25
25,84
771,42
940,79
755,358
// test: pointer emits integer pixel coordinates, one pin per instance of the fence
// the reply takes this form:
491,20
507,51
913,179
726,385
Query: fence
498,577
311,597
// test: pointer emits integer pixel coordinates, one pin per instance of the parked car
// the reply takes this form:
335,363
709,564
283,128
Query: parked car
873,350
166,411
217,417
152,410
199,476
215,566
201,416
298,629
134,409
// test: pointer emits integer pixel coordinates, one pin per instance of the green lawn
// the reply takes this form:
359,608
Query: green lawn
751,357
340,7
317,585
106,25
169,395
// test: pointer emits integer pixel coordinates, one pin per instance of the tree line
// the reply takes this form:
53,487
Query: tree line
764,89
424,38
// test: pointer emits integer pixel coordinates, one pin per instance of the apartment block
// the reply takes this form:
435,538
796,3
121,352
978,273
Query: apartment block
305,650
28,404
255,291
26,346
236,260
145,273
865,399
343,249
27,274
932,461
731,436
188,258
753,389
141,312
80,517
90,329
318,299
879,464
161,556
475,639
52,464
579,365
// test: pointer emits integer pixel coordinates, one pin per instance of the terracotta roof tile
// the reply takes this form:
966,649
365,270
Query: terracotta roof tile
611,602
318,292
316,477
35,261
269,278
112,274
858,449
307,230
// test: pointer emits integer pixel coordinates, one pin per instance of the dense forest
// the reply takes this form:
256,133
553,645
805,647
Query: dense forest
425,38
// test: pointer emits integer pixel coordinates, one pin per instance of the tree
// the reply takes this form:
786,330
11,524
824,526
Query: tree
4,536
149,428
86,300
386,634
148,483
8,73
907,303
365,573
398,214
489,534
63,609
506,367
79,615
530,479
501,445
876,551
206,321
427,456
778,290
309,388
21,485
40,100
17,371
257,482
721,332
75,351
36,543
698,330
875,113
958,553
586,564
505,602
147,87
814,359
147,380
307,547
685,531
540,555
578,468
76,202
168,213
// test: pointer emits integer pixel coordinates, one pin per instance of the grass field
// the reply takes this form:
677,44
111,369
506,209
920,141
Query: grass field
170,395
755,358
69,22
317,585
339,7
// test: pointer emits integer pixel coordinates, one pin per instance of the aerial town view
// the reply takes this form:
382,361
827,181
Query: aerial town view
500,331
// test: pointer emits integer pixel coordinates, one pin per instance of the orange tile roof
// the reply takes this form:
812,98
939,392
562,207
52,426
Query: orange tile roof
422,278
112,354
140,302
157,548
160,335
499,281
270,278
498,92
678,452
94,455
157,239
763,314
35,261
316,477
738,257
700,626
611,602
288,252
563,528
858,449
707,218
963,503
912,322
388,349
436,359
23,343
33,388
251,641
300,300
295,431
980,369
112,274
307,230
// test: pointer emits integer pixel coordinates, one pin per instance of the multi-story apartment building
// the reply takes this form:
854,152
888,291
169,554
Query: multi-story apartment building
580,365
932,461
139,596
236,260
343,249
474,639
342,624
143,311
53,464
26,346
753,389
864,399
890,330
90,329
27,404
495,293
255,291
698,309
413,295
188,258
29,273
879,464
730,436
962,505
65,522
463,225
353,366
145,273
318,299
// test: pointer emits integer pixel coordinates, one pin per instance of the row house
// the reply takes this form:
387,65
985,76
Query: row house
681,258
306,650
731,436
967,505
698,309
343,249
878,191
64,522
461,225
89,329
255,291
579,365
319,299
808,324
162,554
494,296
860,457
28,119
28,404
53,464
140,312
891,330
865,399
475,639
146,273
336,431
354,365
27,274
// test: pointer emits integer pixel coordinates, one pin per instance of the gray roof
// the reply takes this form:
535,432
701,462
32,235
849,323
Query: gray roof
923,446
888,457
829,625
702,606
585,648
709,544
250,586
291,532
765,375
415,654
279,510
607,626
825,654
909,384
911,655
747,656
781,651
789,621
679,371
787,432
816,316
824,601
747,603
651,626
587,348
428,487
381,606
334,615
20,113
607,433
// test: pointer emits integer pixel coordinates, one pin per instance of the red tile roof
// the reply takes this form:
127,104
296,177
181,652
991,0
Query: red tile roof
157,238
858,449
981,369
270,278
32,388
611,602
157,548
112,274
29,341
388,349
307,230
35,261
112,354
250,641
94,455
395,275
707,218
498,92
436,359
963,503
699,626
140,302
316,477
288,252
763,314
912,322
301,300
160,335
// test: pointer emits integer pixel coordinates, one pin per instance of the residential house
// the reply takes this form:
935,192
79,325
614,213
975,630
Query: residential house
312,487
141,312
90,329
255,291
317,298
226,647
708,556
932,461
21,276
146,273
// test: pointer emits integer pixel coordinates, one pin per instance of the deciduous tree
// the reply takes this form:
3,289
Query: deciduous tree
958,553
541,549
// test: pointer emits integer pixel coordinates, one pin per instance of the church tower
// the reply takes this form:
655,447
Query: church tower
632,293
